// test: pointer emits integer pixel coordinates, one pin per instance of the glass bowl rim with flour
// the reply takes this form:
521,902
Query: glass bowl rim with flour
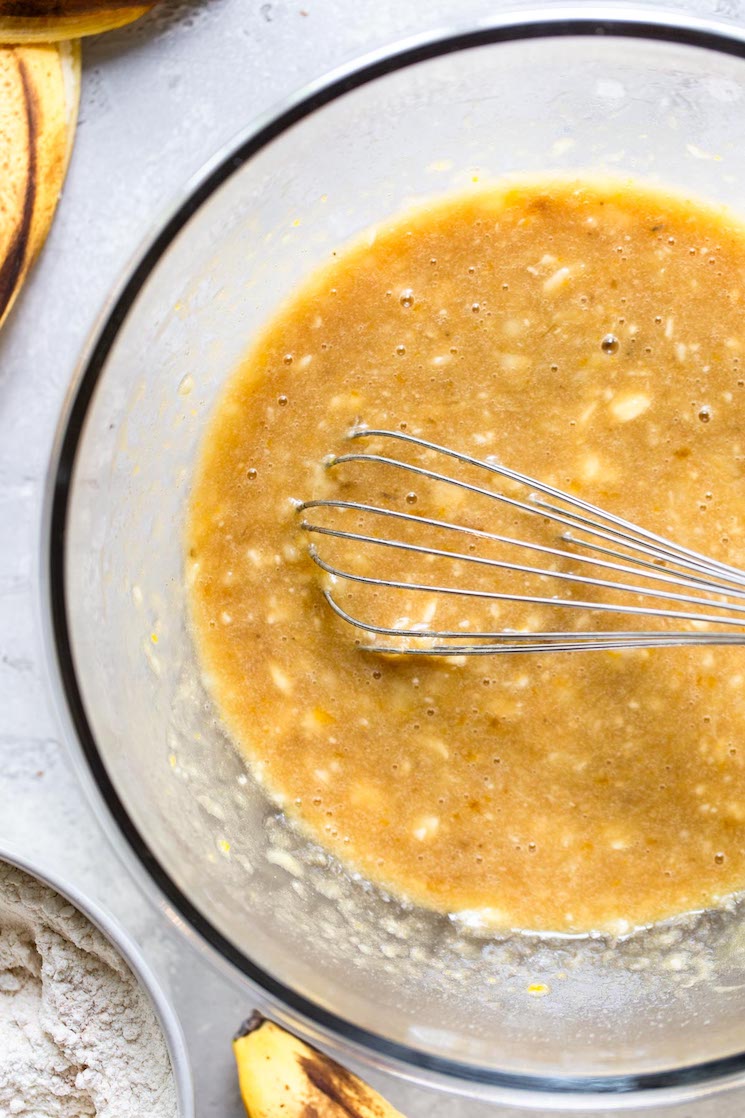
131,955
423,1050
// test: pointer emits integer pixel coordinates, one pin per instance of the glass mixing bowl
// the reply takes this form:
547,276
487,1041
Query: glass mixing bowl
655,1016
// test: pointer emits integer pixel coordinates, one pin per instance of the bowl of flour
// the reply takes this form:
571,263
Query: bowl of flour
84,1027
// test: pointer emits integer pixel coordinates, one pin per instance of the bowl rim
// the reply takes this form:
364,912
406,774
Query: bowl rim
133,956
674,1084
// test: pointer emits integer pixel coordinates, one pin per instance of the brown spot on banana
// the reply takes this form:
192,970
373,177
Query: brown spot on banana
51,21
280,1074
250,1025
37,123
336,1083
12,265
34,8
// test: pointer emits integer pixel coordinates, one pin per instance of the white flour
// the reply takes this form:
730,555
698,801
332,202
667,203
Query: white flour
78,1036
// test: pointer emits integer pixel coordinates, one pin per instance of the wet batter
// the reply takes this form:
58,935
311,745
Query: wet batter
591,335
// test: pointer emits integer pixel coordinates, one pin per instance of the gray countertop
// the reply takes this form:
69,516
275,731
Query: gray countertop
158,99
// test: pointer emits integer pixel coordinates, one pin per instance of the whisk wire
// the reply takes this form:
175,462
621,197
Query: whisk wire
645,554
530,642
497,596
683,557
534,485
656,574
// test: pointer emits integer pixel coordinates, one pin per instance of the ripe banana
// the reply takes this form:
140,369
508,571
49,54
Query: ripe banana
38,109
282,1077
47,21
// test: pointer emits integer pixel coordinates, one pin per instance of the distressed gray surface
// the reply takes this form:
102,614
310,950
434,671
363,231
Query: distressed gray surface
158,99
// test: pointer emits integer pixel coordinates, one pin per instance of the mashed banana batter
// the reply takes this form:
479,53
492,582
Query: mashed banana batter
591,335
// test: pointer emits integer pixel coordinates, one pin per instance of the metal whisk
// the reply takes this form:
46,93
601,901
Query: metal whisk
609,554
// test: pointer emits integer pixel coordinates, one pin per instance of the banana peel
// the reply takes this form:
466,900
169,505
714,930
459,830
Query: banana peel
38,110
49,21
281,1076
